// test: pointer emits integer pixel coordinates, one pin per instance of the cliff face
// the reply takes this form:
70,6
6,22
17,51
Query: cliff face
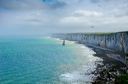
115,41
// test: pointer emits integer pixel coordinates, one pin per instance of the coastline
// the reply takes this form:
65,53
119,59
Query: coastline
108,72
90,73
111,68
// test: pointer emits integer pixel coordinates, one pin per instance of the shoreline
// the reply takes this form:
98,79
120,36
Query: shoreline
111,68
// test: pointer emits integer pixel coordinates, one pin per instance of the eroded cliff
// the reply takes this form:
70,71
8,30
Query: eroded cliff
114,41
117,42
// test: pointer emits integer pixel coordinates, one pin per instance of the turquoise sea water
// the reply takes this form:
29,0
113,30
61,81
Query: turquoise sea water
45,61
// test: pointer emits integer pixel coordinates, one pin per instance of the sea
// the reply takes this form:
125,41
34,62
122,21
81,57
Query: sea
45,60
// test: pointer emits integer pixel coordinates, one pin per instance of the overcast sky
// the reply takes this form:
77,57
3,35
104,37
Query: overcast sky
37,17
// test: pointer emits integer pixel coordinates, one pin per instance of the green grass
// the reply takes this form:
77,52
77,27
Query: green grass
126,54
123,79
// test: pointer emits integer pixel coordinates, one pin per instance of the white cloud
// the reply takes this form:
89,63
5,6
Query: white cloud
87,13
75,15
83,20
83,17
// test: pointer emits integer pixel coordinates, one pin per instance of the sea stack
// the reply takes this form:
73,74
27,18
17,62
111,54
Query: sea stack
63,43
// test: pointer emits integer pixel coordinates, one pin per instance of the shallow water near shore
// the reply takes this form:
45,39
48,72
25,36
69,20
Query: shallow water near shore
45,61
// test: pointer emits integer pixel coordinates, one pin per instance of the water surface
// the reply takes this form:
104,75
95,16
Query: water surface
45,61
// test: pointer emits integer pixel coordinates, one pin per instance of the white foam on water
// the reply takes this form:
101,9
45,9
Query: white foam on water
75,78
82,75
68,76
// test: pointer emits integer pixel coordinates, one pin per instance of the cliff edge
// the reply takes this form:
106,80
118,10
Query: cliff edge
117,42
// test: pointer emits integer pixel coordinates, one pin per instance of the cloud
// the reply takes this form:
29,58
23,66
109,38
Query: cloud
31,4
95,1
21,4
87,13
53,4
63,15
85,17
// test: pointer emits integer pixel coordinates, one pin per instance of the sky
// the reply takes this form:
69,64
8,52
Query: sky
38,17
